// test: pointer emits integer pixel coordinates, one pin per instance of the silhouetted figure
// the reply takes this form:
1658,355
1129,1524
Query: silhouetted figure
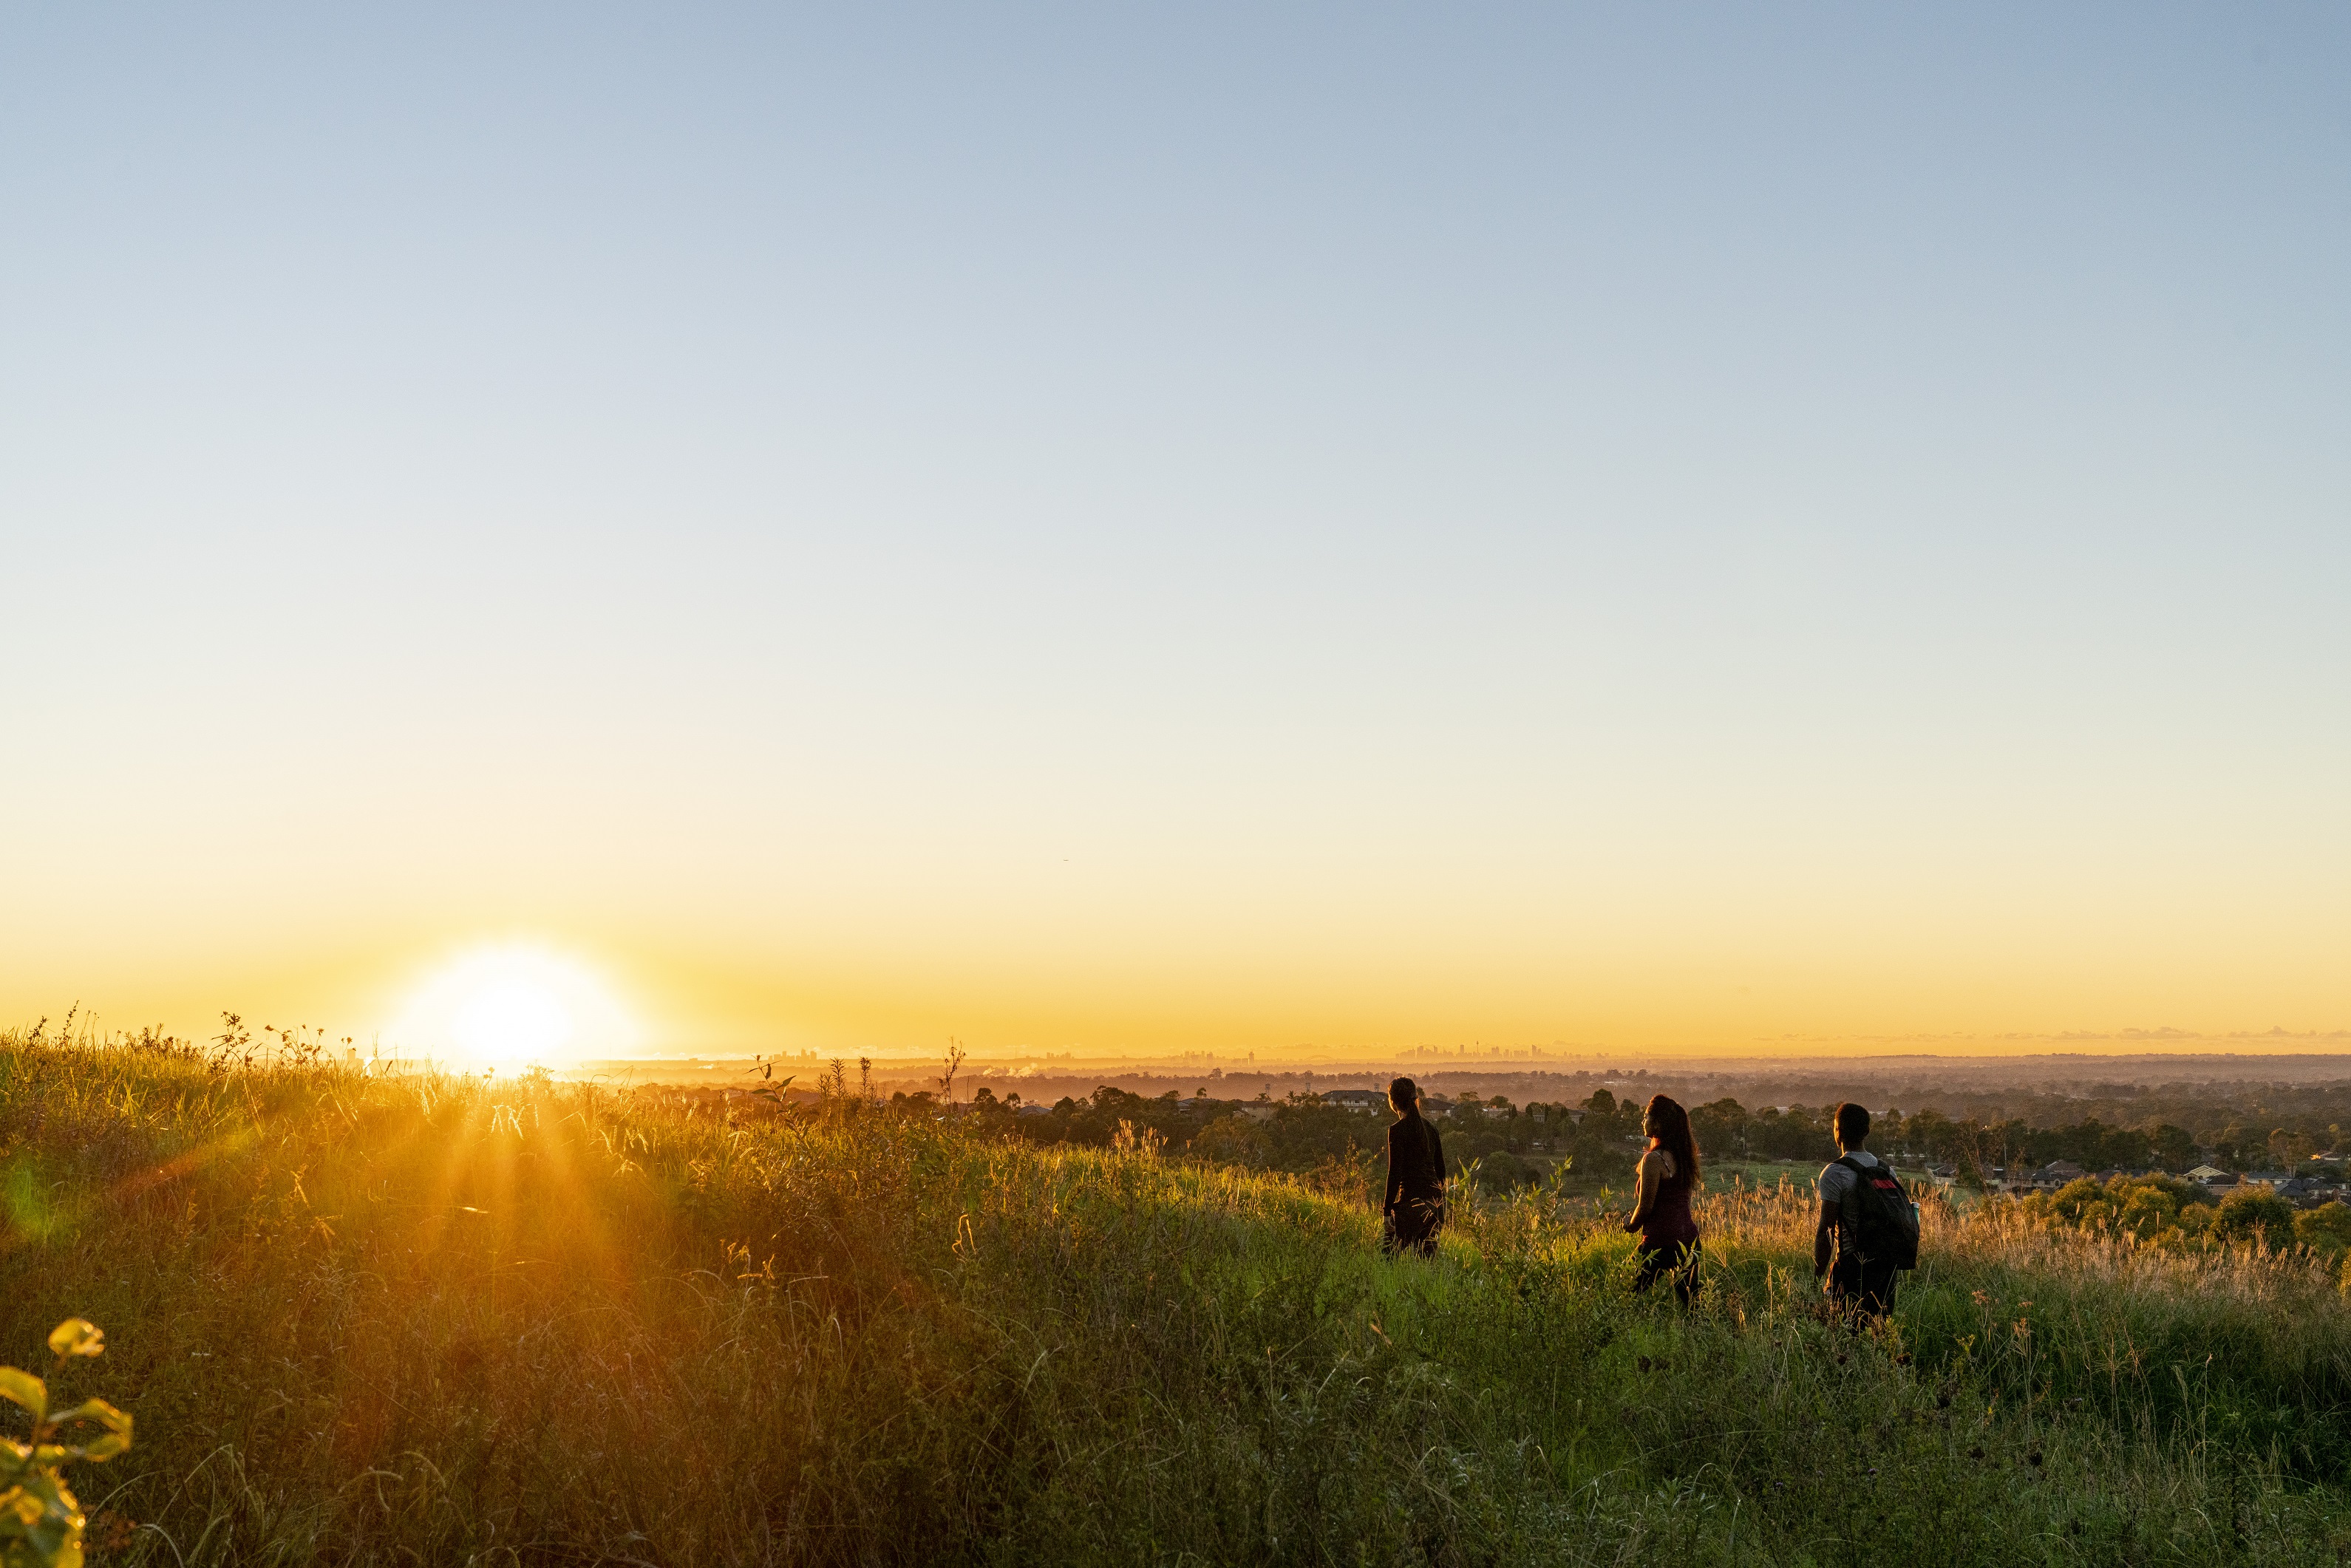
1662,1185
1868,1229
1414,1206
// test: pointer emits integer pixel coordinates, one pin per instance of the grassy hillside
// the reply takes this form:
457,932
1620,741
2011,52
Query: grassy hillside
437,1320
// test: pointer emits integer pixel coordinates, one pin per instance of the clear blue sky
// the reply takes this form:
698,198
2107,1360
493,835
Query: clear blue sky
1621,525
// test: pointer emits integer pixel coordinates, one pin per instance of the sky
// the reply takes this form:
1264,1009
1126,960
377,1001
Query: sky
1208,527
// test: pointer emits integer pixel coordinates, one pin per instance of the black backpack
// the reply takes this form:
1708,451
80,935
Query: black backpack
1879,1216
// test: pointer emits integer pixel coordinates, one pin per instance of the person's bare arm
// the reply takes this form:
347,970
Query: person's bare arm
1824,1237
1645,1177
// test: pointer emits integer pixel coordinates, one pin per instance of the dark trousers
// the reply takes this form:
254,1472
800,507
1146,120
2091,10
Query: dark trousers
1678,1259
1412,1227
1864,1289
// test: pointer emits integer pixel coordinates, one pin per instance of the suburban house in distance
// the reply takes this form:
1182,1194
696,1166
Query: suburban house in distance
2048,1178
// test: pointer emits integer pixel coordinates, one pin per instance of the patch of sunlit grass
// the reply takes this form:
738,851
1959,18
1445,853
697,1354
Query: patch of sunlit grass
420,1318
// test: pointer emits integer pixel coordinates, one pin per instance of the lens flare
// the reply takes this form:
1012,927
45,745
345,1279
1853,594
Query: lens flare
507,1008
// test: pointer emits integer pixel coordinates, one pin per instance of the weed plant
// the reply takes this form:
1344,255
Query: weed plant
417,1318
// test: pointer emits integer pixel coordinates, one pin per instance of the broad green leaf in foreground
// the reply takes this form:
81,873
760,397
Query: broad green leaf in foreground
76,1336
26,1390
117,1423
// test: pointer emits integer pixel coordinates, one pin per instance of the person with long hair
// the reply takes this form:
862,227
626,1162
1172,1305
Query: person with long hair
1662,1185
1414,1210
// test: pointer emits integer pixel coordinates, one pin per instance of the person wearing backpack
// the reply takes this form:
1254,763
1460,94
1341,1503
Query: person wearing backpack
1868,1229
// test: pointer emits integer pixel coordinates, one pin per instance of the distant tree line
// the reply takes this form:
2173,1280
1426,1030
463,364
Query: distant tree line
1599,1137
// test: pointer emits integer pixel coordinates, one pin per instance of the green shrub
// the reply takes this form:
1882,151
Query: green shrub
41,1524
2150,1207
2326,1229
1502,1169
1233,1140
2254,1212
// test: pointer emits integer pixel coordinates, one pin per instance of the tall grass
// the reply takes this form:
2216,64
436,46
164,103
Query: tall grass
424,1320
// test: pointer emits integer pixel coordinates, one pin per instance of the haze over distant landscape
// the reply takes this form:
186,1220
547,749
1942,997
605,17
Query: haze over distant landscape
547,534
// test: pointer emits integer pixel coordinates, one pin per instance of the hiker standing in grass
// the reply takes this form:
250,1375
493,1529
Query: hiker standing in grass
1868,1229
1414,1206
1662,1185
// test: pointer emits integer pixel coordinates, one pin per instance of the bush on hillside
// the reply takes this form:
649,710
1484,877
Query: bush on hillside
2326,1229
2254,1212
1502,1170
2154,1208
1233,1140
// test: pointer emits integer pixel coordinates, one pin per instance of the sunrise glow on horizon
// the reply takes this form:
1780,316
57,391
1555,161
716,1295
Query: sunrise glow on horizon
510,1006
549,534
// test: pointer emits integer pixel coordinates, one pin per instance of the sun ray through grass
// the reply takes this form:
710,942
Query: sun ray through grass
418,1319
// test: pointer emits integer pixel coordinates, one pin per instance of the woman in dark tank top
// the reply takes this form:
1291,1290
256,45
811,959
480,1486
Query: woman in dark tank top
1662,1185
1414,1210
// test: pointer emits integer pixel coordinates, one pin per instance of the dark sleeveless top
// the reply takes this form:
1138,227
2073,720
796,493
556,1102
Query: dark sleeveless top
1669,1222
1416,1163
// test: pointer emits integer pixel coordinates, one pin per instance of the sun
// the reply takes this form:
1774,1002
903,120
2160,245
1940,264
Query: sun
508,1007
512,1022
